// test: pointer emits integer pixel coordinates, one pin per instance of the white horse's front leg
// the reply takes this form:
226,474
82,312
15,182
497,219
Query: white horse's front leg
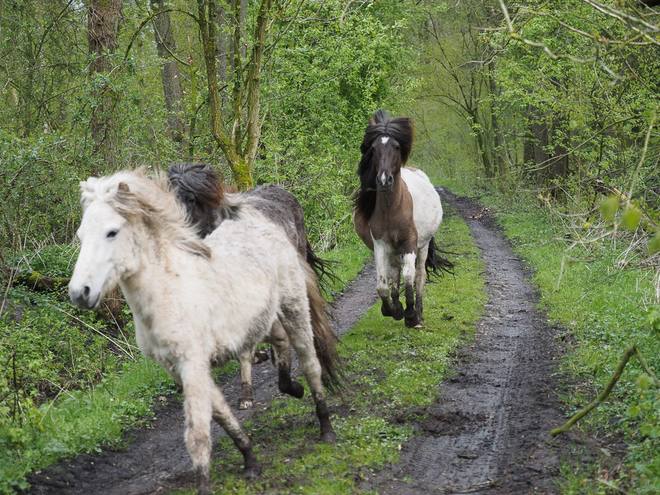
197,386
382,259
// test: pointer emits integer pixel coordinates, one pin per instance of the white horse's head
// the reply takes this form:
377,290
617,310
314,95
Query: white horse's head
124,216
107,247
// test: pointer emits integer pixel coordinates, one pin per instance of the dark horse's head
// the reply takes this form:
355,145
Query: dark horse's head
200,191
385,149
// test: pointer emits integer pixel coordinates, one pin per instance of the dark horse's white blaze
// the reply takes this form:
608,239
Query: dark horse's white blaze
134,233
397,213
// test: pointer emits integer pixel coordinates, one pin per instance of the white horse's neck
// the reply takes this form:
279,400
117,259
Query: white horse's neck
146,290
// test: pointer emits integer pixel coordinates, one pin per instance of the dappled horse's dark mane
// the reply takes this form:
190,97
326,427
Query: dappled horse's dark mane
199,182
200,179
402,130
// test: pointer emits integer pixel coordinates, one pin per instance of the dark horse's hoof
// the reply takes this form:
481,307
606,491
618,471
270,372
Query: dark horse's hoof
414,321
252,472
328,437
395,312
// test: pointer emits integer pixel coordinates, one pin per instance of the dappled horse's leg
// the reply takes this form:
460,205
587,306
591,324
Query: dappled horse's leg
224,417
298,327
382,259
413,318
282,349
246,399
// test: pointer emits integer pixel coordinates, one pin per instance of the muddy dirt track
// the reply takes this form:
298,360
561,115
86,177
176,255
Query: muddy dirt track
487,432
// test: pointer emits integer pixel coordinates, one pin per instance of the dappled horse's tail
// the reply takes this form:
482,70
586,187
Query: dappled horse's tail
321,267
436,263
324,338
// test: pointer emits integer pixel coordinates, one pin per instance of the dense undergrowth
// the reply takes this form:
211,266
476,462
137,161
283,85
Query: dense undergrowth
603,306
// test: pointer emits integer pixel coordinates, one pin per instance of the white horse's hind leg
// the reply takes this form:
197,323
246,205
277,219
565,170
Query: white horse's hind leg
246,399
224,417
296,322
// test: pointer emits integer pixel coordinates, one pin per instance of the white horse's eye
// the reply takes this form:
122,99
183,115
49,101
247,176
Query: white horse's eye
112,234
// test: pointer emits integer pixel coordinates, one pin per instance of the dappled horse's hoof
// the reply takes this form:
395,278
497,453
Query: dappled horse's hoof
292,388
252,472
295,390
245,403
328,437
260,356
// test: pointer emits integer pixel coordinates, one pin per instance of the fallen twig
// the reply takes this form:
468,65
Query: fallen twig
629,352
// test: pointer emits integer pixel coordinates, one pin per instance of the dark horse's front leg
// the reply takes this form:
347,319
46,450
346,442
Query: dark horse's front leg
413,312
388,307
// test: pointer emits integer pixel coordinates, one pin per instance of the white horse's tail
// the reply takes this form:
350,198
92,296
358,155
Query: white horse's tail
324,338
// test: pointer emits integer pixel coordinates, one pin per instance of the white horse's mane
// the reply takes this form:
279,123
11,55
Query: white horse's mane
135,195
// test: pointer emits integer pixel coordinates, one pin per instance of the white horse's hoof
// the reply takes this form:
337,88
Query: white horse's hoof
245,404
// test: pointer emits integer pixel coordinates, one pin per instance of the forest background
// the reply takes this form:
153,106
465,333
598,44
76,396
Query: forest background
553,105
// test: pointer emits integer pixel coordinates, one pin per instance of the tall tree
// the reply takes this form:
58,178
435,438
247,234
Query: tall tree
169,73
239,138
103,21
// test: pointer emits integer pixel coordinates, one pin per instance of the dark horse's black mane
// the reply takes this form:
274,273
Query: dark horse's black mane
401,129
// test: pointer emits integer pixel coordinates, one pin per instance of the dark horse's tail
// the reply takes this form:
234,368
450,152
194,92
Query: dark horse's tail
324,338
322,268
436,263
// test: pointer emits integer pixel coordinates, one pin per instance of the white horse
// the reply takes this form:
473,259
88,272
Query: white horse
195,303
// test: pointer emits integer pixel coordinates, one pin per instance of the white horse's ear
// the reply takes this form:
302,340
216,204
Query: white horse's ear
88,185
123,188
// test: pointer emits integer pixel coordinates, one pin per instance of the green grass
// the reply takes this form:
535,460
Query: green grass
601,310
393,371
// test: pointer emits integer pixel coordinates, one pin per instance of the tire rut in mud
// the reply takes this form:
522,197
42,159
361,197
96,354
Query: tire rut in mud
489,429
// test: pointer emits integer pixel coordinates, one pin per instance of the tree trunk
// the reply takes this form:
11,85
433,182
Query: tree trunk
500,163
240,141
103,20
170,75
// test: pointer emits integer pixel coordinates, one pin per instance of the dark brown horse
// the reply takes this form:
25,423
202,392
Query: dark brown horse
203,195
396,214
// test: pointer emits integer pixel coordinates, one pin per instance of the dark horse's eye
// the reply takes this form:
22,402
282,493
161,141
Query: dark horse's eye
397,147
190,200
112,234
